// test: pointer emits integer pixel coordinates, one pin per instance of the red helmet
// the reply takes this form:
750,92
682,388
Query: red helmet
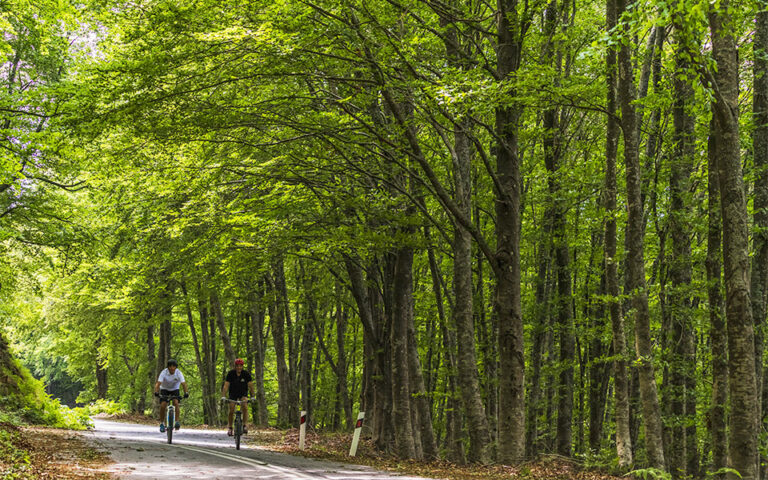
239,361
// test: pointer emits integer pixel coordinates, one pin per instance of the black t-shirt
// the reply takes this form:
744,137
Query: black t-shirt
238,385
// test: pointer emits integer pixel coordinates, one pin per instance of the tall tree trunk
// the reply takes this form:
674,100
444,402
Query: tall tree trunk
759,283
257,327
277,322
307,348
341,363
635,261
208,334
208,396
511,441
683,459
102,386
621,374
552,160
453,431
376,330
463,315
718,335
740,327
401,405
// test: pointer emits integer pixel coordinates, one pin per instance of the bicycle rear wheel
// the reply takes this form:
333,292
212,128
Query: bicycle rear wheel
169,426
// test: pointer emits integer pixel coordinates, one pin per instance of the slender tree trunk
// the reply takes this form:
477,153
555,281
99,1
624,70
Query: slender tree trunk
621,377
341,363
102,386
635,261
683,458
718,335
453,431
463,315
511,441
277,322
257,327
201,368
740,327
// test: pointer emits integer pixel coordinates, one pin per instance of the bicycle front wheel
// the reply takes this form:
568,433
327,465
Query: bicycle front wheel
169,426
238,430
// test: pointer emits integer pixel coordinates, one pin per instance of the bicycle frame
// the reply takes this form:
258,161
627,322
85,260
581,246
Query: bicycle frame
170,415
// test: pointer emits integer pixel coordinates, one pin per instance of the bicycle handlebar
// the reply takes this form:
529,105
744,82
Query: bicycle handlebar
229,400
163,398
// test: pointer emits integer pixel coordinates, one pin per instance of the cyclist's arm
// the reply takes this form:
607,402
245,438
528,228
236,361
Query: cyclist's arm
250,389
186,390
157,387
225,389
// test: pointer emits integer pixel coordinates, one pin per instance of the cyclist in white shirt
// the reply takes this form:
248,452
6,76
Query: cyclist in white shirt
167,385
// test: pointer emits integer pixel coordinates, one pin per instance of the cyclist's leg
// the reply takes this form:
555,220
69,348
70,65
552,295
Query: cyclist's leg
245,414
176,425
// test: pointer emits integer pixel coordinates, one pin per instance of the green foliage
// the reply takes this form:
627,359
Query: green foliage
102,406
14,458
650,474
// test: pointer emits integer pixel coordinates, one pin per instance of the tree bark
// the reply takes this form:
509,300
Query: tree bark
635,261
401,404
740,326
759,282
453,431
257,338
683,458
621,376
718,335
511,439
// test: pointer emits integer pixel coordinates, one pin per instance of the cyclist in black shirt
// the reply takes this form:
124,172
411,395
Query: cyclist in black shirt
236,387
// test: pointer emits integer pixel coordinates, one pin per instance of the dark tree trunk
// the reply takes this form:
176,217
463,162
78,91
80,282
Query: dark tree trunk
341,363
759,282
377,347
511,436
683,459
564,315
401,405
209,409
740,327
718,335
102,386
261,418
277,322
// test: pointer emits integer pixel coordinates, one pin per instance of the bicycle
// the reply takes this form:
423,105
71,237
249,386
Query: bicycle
238,422
170,414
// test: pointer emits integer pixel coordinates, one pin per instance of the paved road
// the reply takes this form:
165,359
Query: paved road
140,452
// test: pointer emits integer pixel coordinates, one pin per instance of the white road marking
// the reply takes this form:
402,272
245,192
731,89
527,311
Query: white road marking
229,456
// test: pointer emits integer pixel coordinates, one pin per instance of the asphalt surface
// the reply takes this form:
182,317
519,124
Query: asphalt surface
140,452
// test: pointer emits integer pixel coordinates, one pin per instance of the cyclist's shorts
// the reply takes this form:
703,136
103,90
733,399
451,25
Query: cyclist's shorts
237,396
169,393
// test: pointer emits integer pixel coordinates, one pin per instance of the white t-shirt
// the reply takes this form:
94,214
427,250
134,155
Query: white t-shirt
170,381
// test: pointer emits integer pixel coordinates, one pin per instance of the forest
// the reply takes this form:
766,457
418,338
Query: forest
500,229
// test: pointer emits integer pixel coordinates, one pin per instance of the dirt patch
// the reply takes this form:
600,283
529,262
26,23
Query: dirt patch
62,454
336,447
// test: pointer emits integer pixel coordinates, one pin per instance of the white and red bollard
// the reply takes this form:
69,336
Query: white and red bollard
302,429
356,437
